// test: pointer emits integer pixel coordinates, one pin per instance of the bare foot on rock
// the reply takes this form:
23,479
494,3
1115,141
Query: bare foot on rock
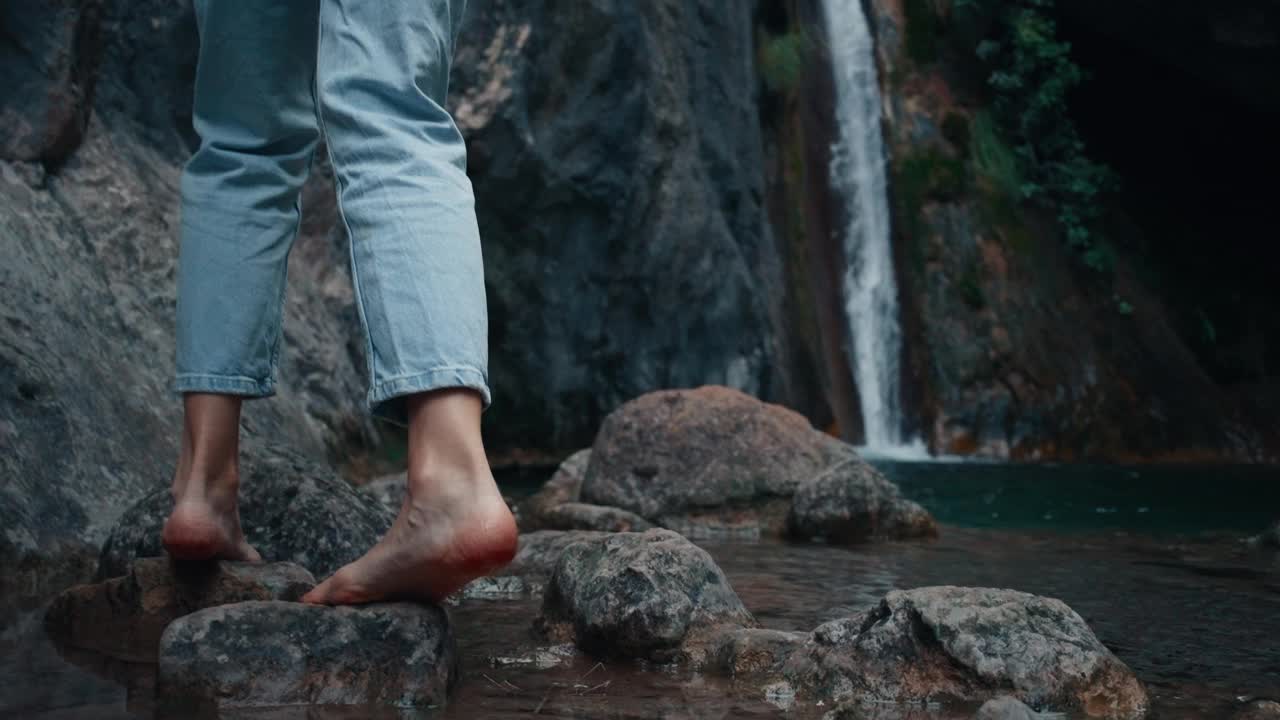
199,529
446,535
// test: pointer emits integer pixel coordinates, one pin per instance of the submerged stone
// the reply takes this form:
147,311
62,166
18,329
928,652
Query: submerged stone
257,654
653,596
968,644
752,651
124,617
291,510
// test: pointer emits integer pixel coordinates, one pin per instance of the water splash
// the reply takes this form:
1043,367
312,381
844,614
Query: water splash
858,175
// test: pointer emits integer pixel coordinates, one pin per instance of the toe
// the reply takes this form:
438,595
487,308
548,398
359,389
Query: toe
319,595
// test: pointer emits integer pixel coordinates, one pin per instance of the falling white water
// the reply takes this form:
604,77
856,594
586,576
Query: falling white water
858,175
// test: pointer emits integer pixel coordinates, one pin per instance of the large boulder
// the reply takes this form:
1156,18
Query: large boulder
968,644
616,146
652,595
540,551
48,64
291,510
256,654
124,617
851,503
715,461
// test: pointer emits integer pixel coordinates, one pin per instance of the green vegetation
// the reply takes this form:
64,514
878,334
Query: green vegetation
1031,75
782,60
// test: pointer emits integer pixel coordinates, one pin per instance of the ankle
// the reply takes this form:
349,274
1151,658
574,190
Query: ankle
220,489
447,483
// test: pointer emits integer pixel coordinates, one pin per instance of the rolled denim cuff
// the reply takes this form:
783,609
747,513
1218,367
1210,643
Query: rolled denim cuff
223,385
386,397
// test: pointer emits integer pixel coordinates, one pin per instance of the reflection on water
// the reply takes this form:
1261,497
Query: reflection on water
1188,606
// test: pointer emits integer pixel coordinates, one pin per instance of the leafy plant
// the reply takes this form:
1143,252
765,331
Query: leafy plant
1031,75
782,60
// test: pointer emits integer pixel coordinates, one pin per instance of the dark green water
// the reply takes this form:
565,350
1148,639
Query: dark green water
1154,559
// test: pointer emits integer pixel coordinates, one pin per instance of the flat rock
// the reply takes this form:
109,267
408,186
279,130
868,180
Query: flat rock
968,644
652,595
712,457
291,510
124,617
1005,708
256,654
852,503
565,486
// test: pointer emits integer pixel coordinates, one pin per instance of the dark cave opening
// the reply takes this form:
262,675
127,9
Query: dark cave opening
1195,210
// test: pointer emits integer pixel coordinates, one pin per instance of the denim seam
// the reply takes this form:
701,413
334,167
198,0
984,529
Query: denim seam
338,178
236,384
433,379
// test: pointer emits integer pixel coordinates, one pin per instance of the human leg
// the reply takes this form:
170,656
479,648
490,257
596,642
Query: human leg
254,113
403,191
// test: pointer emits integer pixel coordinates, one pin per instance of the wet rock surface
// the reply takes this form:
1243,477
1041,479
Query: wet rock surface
711,458
582,516
1269,539
651,595
754,651
257,654
1005,708
1259,710
971,644
124,617
291,510
852,503
539,551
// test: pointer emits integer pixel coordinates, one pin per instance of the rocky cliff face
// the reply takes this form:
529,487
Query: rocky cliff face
1013,349
617,156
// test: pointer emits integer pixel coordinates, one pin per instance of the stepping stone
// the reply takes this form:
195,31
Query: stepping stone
124,617
258,654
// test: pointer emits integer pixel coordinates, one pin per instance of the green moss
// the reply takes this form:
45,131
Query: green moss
782,60
993,159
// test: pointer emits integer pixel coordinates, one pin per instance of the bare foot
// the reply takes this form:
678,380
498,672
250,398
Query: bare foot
199,529
205,522
445,536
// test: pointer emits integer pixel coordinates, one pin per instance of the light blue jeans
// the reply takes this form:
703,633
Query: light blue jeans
370,76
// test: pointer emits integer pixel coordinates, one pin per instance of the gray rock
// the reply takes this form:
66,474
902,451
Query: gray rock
256,654
290,510
388,490
968,644
564,486
1259,710
652,595
851,503
48,65
754,651
1005,708
124,617
539,551
711,458
581,516
652,184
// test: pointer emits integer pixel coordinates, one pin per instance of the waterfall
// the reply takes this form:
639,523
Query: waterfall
858,176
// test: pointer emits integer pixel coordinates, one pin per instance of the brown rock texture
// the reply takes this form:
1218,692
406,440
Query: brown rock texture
853,503
968,644
124,617
565,486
